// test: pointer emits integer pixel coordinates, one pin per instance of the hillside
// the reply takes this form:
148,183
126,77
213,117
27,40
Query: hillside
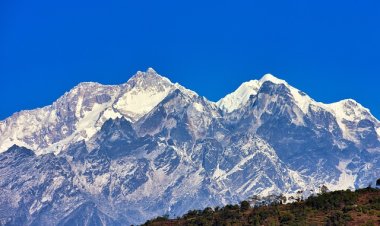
361,207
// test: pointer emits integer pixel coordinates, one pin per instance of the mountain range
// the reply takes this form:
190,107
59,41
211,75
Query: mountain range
123,154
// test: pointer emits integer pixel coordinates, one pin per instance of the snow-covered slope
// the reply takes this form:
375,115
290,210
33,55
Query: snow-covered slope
142,93
126,153
347,113
73,117
239,97
81,112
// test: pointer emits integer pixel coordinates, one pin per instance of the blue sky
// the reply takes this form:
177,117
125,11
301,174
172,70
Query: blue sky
329,49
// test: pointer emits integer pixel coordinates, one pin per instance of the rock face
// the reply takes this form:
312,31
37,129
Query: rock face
119,155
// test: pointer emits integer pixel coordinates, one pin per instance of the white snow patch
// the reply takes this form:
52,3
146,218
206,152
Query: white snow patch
271,78
218,172
8,143
262,148
297,178
198,107
79,107
268,191
35,207
346,179
238,166
89,120
136,103
247,187
47,196
239,97
186,91
111,114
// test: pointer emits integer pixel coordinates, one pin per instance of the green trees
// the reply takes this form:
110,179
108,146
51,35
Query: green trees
337,218
332,200
328,208
244,205
286,217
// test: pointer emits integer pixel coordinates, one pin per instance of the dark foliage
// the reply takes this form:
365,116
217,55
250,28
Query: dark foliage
332,200
361,207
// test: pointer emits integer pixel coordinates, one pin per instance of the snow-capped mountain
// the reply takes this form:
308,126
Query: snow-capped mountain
122,154
80,113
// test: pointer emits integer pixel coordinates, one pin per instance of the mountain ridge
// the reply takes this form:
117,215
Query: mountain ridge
250,88
150,147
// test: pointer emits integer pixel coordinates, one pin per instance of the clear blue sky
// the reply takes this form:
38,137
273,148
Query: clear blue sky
329,49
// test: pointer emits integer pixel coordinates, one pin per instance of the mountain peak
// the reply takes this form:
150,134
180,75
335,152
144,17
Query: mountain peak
271,78
148,78
143,92
151,70
350,110
350,102
240,96
120,143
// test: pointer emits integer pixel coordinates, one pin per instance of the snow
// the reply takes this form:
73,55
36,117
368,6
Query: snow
95,186
9,142
239,97
267,191
87,125
131,100
134,101
21,125
345,110
271,78
135,104
256,146
37,205
218,173
231,180
88,122
110,113
100,182
184,90
45,129
247,186
348,110
198,107
144,91
151,70
297,178
346,179
79,107
302,100
47,196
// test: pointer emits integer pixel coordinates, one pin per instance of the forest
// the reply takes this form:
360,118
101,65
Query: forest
360,207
